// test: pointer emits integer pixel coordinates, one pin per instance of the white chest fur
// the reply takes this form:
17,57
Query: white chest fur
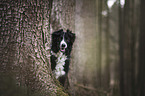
60,62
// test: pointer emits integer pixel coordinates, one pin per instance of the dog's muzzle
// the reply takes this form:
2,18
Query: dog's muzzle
63,46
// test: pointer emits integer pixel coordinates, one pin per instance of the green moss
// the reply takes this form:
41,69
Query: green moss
60,92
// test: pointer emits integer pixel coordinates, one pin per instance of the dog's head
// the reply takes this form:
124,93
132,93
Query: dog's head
62,41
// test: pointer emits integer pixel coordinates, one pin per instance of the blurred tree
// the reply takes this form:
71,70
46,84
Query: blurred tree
85,52
141,67
100,8
128,32
121,53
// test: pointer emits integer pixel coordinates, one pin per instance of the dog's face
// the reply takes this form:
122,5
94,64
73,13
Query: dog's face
62,41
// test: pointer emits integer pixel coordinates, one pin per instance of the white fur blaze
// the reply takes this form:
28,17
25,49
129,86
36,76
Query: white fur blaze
59,69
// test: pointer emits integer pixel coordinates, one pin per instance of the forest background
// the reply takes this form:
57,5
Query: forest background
107,57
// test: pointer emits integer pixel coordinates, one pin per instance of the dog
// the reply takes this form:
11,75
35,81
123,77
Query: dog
61,47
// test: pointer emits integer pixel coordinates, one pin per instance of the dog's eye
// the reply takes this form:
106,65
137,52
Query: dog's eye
60,38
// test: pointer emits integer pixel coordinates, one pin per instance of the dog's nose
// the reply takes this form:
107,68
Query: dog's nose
63,45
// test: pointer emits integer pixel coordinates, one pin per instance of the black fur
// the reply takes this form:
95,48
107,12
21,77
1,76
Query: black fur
57,37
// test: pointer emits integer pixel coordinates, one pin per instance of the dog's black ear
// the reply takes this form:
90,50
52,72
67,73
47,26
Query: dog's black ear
57,33
72,35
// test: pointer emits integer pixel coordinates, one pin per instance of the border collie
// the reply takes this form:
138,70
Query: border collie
61,47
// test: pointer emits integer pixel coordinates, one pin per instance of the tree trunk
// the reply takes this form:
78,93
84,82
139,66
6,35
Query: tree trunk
128,35
99,63
25,45
121,53
85,51
141,76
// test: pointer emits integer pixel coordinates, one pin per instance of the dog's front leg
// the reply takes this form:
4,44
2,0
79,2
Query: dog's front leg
53,62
